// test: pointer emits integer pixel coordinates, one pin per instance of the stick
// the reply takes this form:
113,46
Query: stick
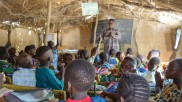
95,30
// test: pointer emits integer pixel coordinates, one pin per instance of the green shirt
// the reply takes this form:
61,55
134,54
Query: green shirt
6,67
46,79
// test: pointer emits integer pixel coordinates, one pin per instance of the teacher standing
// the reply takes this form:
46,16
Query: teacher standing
111,37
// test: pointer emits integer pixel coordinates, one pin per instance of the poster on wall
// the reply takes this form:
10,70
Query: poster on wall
89,9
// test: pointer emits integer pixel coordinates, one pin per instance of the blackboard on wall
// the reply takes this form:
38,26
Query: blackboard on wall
125,26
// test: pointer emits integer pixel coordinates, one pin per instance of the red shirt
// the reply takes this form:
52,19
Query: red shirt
86,99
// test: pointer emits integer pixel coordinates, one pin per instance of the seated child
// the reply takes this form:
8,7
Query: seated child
119,58
170,92
133,88
79,78
12,56
140,68
129,52
112,58
149,75
5,67
25,76
84,54
103,66
95,51
44,75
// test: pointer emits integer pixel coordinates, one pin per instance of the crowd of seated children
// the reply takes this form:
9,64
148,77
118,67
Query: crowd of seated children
45,77
25,75
54,63
5,67
79,77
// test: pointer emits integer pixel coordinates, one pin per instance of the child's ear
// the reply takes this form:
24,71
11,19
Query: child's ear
49,59
121,99
69,87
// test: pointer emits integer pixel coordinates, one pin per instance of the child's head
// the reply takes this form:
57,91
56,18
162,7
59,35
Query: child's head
30,50
129,64
12,51
79,76
45,55
133,88
154,63
103,57
141,58
120,55
153,53
174,69
129,51
4,55
112,52
138,62
67,58
24,60
84,54
51,44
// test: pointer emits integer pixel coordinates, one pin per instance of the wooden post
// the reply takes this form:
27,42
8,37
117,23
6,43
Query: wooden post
48,21
95,30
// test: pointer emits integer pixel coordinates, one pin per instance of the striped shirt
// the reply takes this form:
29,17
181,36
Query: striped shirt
111,42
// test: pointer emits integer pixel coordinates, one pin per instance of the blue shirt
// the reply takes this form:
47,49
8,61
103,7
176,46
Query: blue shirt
46,78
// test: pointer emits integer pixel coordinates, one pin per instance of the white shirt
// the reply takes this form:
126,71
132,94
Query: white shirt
24,77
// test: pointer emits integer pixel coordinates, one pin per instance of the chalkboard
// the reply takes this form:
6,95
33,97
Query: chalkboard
125,26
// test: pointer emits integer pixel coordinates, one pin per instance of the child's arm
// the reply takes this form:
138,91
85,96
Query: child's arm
159,81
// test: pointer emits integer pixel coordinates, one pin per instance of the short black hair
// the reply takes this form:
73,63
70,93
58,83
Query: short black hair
132,61
155,60
29,47
49,43
12,51
103,56
81,74
138,61
118,53
66,55
112,52
133,88
129,51
84,54
3,51
113,20
41,50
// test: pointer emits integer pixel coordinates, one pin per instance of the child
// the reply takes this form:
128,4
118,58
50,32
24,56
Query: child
84,54
170,92
129,52
5,67
119,58
44,75
95,51
128,65
25,76
55,55
153,65
112,58
12,55
133,88
79,77
103,66
31,51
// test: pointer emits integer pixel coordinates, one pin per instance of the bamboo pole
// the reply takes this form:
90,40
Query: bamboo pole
95,30
48,21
